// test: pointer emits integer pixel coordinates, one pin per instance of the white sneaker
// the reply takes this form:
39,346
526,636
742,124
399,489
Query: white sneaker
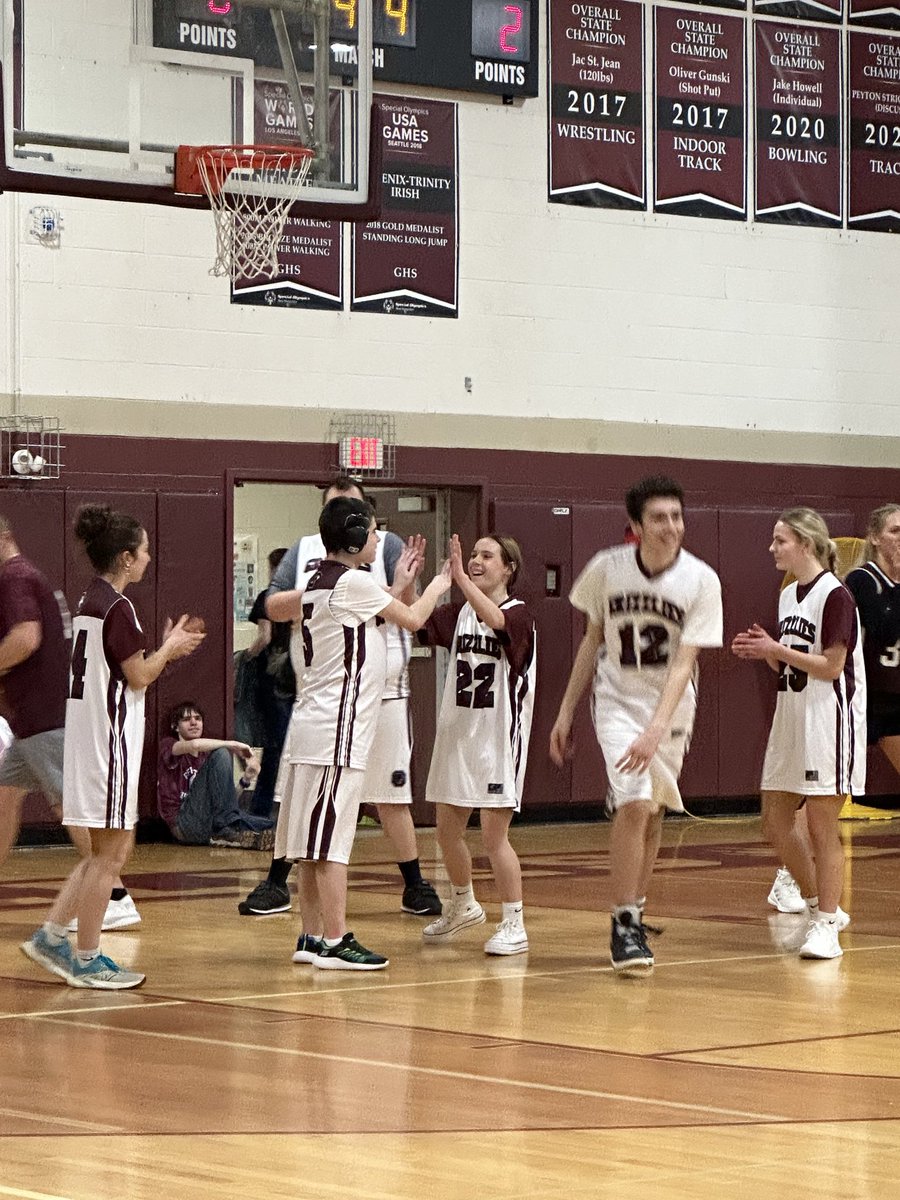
821,941
510,938
785,894
843,919
120,914
456,917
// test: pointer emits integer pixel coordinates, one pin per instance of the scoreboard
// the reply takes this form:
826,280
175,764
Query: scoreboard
458,45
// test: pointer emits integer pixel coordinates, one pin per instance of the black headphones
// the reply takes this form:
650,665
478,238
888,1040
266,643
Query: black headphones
356,533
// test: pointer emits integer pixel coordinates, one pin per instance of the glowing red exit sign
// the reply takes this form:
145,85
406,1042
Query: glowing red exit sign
362,453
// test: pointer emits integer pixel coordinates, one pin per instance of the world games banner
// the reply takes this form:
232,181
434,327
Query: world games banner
798,124
874,87
699,114
596,104
407,262
310,255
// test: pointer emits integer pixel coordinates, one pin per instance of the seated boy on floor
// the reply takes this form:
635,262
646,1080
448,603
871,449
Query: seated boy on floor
196,792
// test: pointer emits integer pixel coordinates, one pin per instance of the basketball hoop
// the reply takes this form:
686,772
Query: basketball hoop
250,190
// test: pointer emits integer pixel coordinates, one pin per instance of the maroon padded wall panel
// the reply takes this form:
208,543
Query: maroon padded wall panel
544,532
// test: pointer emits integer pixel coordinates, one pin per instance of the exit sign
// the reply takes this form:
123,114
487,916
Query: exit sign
362,453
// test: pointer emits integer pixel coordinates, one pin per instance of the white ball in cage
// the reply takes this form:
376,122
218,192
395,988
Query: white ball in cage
37,464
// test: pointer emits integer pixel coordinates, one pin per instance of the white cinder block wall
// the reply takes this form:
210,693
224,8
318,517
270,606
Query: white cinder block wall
564,313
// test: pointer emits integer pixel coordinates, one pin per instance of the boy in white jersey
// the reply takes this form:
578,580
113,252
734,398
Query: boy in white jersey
333,723
388,772
650,609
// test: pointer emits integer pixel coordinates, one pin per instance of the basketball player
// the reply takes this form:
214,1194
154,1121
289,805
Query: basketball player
816,749
650,609
333,722
388,776
481,746
34,663
876,588
104,740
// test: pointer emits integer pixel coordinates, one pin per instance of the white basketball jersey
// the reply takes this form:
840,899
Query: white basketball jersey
645,619
310,554
104,737
481,746
817,744
345,659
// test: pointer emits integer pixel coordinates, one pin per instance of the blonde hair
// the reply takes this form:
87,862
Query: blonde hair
809,527
877,521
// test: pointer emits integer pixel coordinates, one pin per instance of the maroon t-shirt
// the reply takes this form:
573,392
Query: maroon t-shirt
35,689
174,777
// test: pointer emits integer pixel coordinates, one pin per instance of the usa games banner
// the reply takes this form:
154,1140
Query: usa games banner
699,114
310,256
596,101
874,87
798,124
407,263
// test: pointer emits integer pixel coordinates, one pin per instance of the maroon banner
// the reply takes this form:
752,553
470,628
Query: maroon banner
809,10
596,104
310,255
700,119
407,263
798,124
881,14
874,138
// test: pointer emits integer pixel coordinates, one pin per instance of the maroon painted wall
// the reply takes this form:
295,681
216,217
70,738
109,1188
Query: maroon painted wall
562,507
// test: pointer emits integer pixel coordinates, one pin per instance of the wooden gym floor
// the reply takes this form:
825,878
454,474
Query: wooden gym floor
735,1070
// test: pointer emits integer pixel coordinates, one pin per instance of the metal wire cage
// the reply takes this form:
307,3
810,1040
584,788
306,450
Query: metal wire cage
30,447
366,444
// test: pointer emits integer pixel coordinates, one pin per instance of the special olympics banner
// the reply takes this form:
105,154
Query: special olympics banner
407,263
798,124
874,87
596,104
882,14
310,255
700,118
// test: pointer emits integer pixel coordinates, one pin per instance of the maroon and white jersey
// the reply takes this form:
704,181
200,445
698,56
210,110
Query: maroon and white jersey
817,744
104,716
645,618
481,745
299,564
344,665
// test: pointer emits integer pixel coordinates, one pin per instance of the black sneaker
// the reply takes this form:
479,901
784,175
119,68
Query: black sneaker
421,900
349,955
265,899
628,949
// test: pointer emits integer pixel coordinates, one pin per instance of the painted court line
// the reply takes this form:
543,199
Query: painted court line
219,1044
8,1191
55,1119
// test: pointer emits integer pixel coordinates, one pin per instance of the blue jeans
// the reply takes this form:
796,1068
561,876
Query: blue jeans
211,804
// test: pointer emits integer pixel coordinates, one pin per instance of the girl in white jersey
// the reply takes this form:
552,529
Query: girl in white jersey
816,751
481,746
104,739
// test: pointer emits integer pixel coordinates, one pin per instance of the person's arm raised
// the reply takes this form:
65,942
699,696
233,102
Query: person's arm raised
413,616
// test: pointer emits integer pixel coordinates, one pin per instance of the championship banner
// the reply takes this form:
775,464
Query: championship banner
407,263
874,87
310,255
798,124
809,10
699,114
596,105
882,14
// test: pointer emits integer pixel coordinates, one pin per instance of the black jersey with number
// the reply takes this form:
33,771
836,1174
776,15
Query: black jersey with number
878,600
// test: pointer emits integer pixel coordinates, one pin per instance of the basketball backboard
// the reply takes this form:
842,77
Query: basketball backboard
96,97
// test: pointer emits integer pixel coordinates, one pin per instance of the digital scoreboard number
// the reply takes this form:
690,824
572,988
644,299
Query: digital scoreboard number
460,45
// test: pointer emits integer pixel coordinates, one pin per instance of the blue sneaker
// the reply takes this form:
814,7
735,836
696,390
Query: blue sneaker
57,959
307,948
102,972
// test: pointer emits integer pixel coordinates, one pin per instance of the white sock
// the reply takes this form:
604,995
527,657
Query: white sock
812,903
86,956
831,918
332,941
56,934
464,896
620,909
513,912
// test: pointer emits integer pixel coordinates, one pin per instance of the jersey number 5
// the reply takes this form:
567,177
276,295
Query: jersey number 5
483,679
791,677
79,667
306,635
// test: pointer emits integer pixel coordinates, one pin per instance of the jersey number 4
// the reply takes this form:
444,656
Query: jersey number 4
473,688
78,667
